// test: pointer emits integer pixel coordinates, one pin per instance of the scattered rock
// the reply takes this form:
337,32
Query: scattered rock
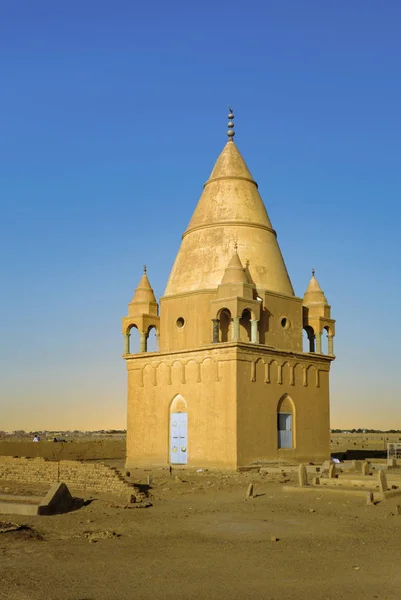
94,536
6,527
312,510
274,538
144,504
20,531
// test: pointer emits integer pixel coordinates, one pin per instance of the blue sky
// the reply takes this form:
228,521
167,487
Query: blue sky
111,117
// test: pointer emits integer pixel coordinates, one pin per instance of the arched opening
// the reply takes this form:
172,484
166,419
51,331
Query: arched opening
325,340
178,443
151,339
308,339
133,340
225,325
285,423
245,326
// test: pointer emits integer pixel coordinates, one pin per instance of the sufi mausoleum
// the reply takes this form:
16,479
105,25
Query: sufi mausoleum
229,384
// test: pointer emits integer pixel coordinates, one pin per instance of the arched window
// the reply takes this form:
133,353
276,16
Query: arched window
308,339
325,340
134,340
285,423
225,325
151,339
245,326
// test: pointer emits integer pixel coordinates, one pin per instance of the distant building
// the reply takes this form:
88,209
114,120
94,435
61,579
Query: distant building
229,384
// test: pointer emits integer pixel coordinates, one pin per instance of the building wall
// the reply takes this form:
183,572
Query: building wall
277,307
195,310
95,477
76,450
265,378
232,393
206,379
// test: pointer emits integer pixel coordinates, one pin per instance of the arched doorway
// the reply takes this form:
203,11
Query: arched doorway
285,423
178,442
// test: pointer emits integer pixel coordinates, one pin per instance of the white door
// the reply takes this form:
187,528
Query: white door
179,438
284,426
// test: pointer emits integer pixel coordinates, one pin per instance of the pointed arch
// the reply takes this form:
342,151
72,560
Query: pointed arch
178,437
245,325
308,342
286,422
178,404
225,324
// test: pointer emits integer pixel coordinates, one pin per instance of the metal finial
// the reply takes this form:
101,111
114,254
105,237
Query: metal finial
144,268
230,132
313,272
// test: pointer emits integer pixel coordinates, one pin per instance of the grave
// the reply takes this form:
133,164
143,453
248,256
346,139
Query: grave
57,500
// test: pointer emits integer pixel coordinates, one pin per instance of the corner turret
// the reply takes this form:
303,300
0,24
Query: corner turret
143,314
317,317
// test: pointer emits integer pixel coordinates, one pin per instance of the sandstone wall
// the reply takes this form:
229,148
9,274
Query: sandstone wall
94,477
90,450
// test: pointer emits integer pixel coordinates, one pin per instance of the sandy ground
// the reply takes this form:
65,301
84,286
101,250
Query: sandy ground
202,540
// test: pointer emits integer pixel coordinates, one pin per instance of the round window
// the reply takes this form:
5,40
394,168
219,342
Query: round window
285,323
180,323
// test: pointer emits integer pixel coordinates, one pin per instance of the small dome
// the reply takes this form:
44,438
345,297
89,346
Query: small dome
235,272
143,301
144,292
314,293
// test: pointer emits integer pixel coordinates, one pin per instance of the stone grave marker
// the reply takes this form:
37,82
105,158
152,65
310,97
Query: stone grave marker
302,476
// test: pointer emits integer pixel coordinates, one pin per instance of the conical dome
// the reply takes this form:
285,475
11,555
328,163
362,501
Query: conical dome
314,293
230,209
143,301
235,272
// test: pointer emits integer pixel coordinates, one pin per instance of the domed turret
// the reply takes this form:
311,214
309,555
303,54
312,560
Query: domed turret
143,314
143,300
314,294
317,316
235,272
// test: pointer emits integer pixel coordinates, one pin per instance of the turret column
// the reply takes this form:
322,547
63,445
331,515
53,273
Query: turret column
216,324
157,342
318,343
142,342
236,328
126,342
254,331
331,345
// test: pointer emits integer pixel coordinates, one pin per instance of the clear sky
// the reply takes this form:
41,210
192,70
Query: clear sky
111,117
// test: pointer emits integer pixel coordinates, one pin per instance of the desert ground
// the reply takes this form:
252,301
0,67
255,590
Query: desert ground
202,538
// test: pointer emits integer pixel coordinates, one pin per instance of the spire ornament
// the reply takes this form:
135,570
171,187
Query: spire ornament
313,272
230,132
144,269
